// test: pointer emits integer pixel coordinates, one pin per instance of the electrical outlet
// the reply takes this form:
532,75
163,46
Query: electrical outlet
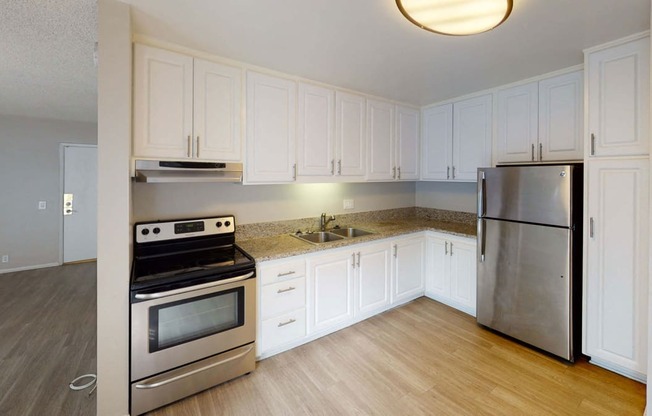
349,204
5,259
42,204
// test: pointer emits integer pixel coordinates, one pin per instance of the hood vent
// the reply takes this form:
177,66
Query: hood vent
154,171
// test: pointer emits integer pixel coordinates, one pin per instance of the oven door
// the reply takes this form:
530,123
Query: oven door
173,328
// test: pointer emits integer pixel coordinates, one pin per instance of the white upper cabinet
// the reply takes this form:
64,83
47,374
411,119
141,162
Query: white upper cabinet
185,108
619,99
271,109
316,139
457,139
541,121
380,130
407,143
350,135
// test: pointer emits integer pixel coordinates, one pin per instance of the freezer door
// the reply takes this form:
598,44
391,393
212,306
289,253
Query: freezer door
536,194
524,283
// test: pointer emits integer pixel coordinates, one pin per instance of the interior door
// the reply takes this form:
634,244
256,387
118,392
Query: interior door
79,203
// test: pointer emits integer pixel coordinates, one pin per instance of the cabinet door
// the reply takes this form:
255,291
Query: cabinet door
407,143
380,125
162,103
517,120
315,134
437,142
437,268
560,118
472,129
271,108
373,279
408,269
463,274
619,99
617,272
332,290
216,125
350,135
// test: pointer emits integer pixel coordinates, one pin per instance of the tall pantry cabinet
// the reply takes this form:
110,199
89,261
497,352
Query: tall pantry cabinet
617,205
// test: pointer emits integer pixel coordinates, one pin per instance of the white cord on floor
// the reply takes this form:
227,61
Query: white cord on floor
93,383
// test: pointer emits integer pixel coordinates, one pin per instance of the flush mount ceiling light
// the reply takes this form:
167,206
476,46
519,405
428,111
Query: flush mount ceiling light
456,17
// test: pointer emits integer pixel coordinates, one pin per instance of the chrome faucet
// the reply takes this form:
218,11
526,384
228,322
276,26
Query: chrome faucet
323,221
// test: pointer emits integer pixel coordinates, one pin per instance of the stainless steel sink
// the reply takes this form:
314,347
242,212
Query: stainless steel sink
350,232
318,237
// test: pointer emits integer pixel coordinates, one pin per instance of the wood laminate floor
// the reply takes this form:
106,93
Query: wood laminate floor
423,358
47,338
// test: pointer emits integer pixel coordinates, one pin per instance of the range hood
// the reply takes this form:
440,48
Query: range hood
155,171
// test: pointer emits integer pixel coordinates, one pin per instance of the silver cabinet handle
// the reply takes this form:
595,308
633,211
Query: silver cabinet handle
353,260
358,263
339,167
540,152
395,250
399,172
289,289
451,248
592,144
286,273
288,322
146,296
294,172
189,373
446,248
394,172
453,172
591,227
197,146
533,152
332,166
481,239
189,146
448,172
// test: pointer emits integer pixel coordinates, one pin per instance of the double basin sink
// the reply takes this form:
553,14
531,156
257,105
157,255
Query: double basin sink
335,234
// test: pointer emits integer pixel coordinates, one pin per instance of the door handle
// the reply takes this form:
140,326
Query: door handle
540,152
448,172
189,146
394,172
197,146
399,172
481,239
332,166
353,260
533,152
482,187
395,250
453,171
591,227
294,172
339,167
592,144
147,296
446,248
358,263
451,248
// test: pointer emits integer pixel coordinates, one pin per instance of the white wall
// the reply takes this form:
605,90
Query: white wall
260,203
29,172
446,195
113,224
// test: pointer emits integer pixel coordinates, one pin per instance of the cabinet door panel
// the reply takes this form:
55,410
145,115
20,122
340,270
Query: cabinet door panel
616,293
350,130
217,111
373,278
437,142
463,274
472,127
315,135
408,269
162,103
332,282
437,270
380,124
561,117
271,109
517,123
619,99
407,143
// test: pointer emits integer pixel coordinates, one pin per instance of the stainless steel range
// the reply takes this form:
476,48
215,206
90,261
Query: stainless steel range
193,309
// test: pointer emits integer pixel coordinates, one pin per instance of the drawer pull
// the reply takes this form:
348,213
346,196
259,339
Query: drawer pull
286,273
289,289
290,321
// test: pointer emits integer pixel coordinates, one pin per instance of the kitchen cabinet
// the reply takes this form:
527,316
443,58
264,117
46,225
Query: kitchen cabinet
271,129
316,139
372,269
350,136
331,290
184,107
457,139
618,81
408,261
407,143
451,271
616,273
541,121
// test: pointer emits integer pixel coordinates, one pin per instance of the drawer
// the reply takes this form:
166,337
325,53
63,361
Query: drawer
282,297
282,271
283,329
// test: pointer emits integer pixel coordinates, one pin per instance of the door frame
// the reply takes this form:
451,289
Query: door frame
62,166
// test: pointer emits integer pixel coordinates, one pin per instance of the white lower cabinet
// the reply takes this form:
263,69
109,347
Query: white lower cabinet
408,266
451,271
331,293
372,279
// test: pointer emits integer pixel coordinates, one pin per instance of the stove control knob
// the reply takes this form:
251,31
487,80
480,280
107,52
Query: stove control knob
218,224
145,231
227,223
156,230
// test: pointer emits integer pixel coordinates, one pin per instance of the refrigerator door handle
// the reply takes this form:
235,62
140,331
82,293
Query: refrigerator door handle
481,193
481,239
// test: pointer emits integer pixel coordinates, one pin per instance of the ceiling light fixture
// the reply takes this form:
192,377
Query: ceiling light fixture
456,17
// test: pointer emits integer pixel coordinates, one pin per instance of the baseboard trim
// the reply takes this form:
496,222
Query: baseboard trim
37,266
634,375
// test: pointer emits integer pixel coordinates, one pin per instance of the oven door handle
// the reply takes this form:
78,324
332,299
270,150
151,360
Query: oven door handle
190,373
147,296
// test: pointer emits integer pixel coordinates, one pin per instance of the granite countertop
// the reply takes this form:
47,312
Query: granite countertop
283,245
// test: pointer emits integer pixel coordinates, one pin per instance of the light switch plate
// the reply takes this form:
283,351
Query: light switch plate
349,204
42,204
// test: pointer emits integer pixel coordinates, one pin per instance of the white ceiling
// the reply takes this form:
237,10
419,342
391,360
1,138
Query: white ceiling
46,59
46,47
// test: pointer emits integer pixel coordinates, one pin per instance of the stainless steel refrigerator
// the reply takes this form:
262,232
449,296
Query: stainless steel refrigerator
530,254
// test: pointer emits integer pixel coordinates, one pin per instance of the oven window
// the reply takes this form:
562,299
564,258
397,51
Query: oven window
189,319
